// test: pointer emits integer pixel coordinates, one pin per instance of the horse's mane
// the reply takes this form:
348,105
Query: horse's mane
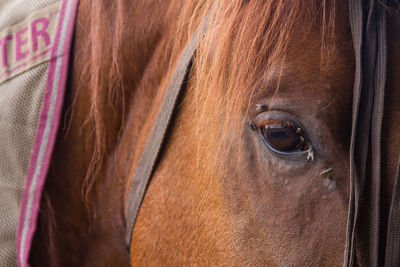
245,42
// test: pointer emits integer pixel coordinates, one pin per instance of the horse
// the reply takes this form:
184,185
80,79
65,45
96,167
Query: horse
229,189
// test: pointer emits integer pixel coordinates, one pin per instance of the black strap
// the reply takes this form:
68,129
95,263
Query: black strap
153,146
356,183
368,26
392,257
380,52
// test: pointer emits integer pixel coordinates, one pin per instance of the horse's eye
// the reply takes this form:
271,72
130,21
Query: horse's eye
282,136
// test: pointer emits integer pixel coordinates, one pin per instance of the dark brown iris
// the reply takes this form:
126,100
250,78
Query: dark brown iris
282,135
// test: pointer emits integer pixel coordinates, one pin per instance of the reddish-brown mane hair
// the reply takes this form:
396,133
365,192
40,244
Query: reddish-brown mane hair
111,84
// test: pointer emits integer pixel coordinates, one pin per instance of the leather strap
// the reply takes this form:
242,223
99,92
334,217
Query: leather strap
368,24
392,257
151,153
356,183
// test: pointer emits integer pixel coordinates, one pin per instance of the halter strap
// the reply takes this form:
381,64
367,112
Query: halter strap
392,257
151,153
368,26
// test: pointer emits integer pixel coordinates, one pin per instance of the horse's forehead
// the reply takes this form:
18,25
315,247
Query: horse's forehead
315,69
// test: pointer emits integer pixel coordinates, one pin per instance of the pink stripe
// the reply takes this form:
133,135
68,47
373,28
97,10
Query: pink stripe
38,141
7,72
54,128
41,127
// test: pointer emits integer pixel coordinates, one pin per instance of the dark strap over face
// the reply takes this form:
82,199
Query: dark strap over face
368,24
150,155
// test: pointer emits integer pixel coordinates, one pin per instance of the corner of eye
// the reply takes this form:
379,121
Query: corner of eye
252,126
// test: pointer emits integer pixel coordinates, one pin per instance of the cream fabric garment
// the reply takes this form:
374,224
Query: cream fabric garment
20,104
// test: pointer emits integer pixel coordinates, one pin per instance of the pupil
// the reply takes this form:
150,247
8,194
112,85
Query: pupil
281,137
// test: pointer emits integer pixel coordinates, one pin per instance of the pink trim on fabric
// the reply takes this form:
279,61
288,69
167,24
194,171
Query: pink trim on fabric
7,72
43,120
